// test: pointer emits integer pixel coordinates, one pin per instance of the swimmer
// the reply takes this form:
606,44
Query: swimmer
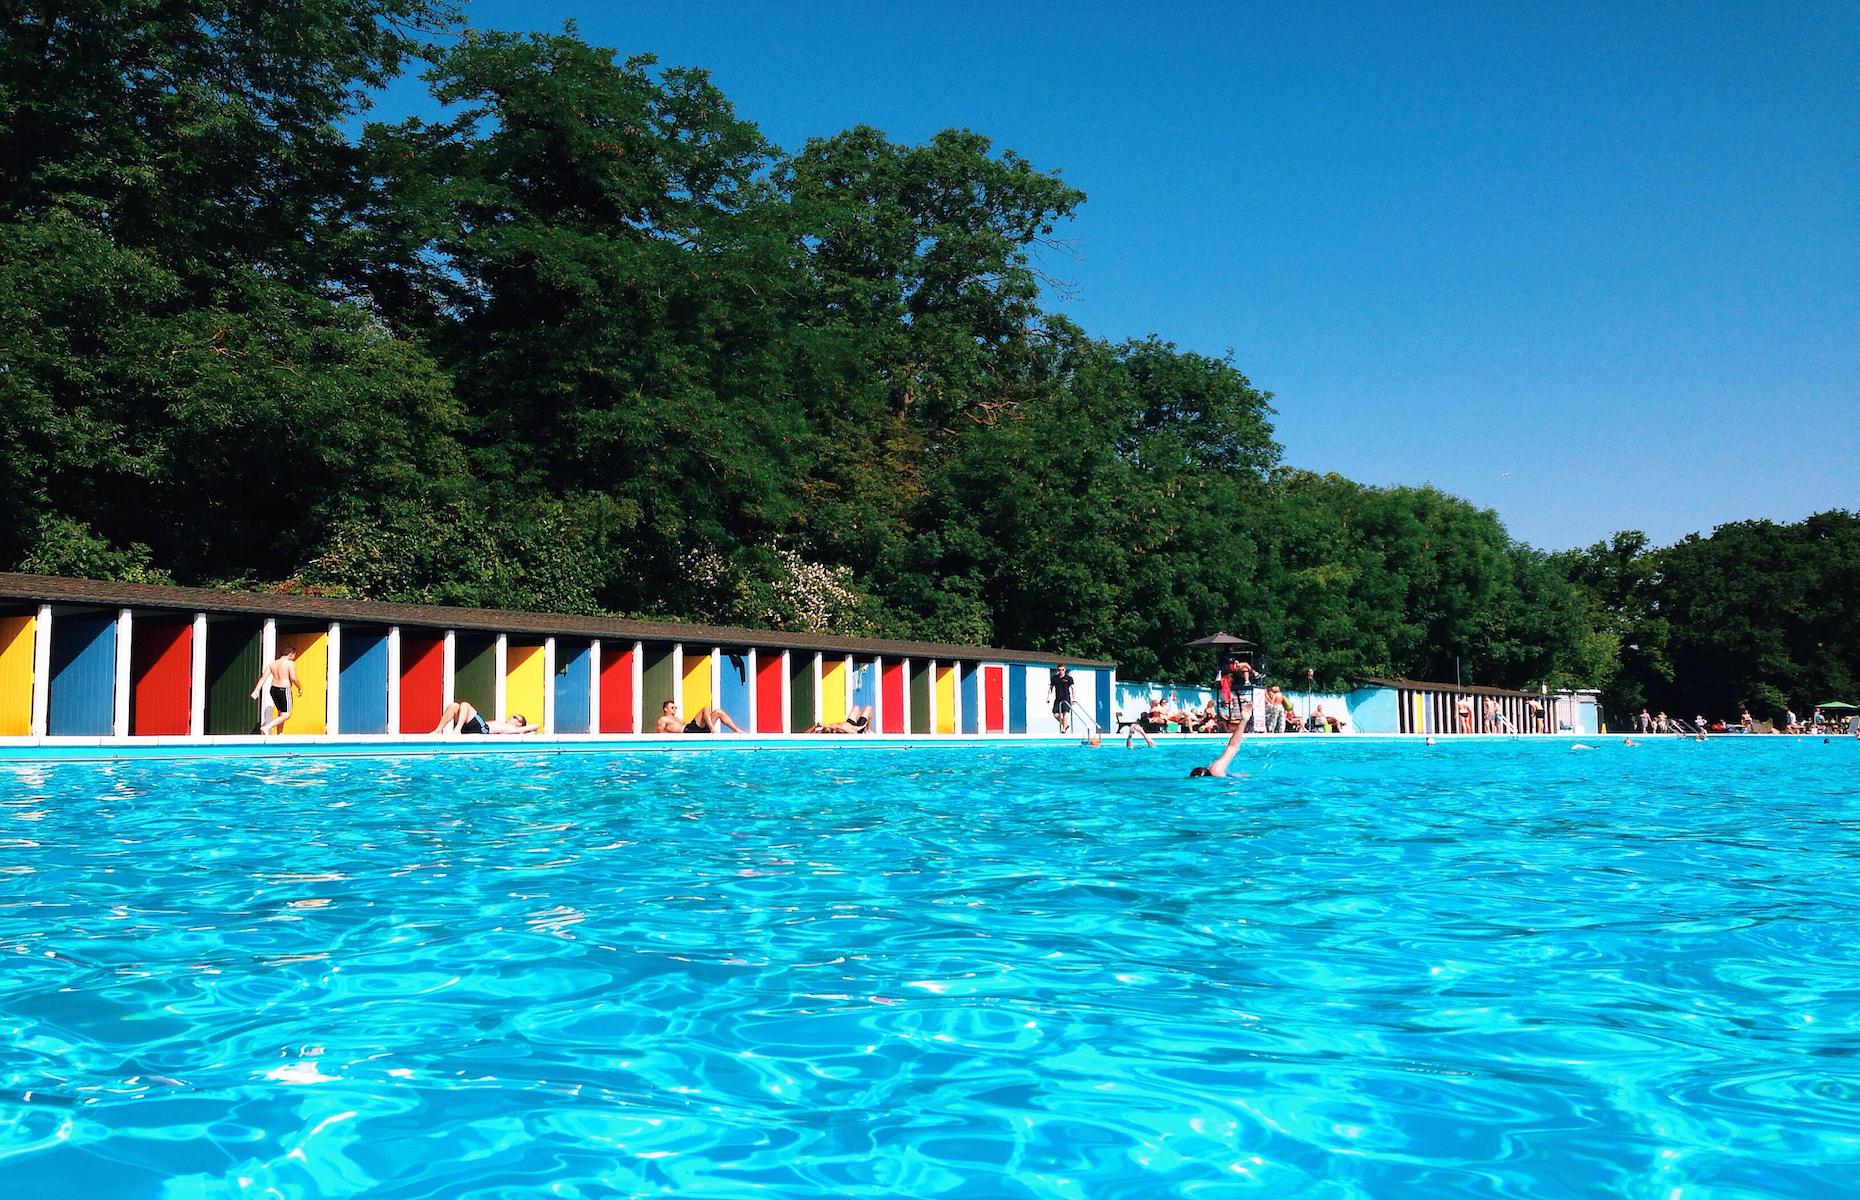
1581,746
1218,768
1430,741
1628,742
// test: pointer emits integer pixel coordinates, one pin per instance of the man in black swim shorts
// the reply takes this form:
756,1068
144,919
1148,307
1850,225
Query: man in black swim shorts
276,683
1059,692
706,720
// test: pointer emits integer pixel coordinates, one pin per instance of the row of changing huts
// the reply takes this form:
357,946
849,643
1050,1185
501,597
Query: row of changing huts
83,658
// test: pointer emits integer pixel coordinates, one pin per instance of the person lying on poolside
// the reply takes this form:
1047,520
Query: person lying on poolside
1206,719
461,717
706,720
1218,768
857,721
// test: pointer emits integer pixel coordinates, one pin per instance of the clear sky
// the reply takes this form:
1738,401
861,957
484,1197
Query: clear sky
1595,266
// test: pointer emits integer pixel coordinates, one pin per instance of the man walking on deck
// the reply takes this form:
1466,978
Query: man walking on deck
1059,695
277,683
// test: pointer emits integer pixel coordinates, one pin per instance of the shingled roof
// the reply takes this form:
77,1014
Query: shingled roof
57,590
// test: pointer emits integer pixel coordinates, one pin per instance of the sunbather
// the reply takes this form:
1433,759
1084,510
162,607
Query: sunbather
462,717
857,721
706,720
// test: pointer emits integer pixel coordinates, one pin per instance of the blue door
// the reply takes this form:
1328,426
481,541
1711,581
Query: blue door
733,689
364,676
571,687
971,698
864,683
1017,697
82,702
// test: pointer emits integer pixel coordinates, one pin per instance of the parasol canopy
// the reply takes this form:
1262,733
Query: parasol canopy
1836,704
1225,639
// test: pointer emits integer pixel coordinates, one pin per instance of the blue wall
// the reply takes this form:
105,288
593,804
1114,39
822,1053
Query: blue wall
363,672
864,683
1103,699
83,677
1375,710
571,686
733,687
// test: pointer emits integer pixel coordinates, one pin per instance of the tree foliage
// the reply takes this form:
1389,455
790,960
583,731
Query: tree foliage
1758,614
586,341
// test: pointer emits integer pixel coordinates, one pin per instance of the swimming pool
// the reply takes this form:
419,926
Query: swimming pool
1355,969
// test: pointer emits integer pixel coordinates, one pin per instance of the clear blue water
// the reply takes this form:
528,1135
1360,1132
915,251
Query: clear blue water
1355,969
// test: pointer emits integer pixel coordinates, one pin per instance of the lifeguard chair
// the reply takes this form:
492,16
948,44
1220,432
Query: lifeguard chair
1229,650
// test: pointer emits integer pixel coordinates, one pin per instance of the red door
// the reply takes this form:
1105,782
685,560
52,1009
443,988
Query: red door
616,689
994,702
771,713
891,688
422,681
162,666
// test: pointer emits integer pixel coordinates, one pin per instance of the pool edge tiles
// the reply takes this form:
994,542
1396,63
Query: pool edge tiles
108,749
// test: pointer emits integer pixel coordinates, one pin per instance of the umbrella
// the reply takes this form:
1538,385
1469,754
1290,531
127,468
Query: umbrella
1836,704
1219,639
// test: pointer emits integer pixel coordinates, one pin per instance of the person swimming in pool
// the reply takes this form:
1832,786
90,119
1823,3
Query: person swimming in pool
462,717
1218,768
706,720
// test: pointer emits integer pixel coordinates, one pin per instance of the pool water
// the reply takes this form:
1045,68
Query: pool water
1355,968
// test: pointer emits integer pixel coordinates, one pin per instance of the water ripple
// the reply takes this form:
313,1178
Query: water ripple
1353,970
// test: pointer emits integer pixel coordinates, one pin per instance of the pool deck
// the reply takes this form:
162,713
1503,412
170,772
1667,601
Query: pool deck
106,749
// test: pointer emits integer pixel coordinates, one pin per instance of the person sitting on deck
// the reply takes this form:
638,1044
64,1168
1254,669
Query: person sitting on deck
462,717
1184,719
1206,719
857,721
706,720
1151,720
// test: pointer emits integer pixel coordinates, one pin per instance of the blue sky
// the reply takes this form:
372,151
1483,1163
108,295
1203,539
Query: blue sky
1595,266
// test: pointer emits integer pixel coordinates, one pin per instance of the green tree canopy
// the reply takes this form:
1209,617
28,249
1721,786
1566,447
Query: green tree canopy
584,340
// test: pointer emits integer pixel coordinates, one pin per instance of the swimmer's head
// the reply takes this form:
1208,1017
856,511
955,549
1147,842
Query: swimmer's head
1198,772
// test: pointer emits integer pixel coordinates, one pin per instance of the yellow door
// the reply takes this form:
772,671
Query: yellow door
832,690
310,711
696,693
945,699
16,638
523,682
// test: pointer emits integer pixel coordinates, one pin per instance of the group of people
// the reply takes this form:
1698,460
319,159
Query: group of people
1819,724
1648,722
1490,716
1278,714
1236,695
